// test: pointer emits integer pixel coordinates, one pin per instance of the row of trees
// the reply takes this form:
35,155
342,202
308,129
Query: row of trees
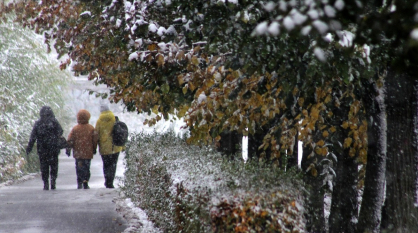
338,76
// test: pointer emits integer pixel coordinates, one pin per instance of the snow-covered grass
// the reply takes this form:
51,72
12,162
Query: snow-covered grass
29,79
184,188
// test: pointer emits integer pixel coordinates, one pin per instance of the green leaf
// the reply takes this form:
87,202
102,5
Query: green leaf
165,88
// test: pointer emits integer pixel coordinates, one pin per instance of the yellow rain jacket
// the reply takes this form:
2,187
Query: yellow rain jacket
104,127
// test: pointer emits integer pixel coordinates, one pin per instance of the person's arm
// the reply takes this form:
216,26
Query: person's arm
97,133
70,139
32,139
95,139
70,143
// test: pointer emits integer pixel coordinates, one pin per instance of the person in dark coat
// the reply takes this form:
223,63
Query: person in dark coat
83,140
46,132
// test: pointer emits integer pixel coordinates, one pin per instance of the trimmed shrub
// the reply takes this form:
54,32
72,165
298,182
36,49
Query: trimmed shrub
185,188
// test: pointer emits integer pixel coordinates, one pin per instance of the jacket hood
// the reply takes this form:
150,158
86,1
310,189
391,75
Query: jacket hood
46,112
83,116
107,116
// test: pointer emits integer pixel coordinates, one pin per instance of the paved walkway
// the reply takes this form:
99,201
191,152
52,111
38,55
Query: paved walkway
25,207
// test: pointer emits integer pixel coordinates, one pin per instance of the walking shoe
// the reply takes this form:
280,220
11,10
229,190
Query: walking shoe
86,185
110,186
53,184
79,185
46,186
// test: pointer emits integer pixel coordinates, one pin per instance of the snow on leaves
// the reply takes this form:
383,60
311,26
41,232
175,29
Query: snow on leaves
165,63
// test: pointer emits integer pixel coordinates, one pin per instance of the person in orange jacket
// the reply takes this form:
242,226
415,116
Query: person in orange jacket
83,140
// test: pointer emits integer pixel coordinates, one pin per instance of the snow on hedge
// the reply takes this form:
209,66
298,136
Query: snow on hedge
195,189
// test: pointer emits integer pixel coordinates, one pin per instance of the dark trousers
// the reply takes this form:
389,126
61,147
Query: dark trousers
109,167
82,169
49,166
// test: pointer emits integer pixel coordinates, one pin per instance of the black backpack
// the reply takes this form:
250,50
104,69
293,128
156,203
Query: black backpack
119,133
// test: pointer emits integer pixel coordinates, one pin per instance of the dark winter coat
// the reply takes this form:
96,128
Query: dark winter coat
45,133
83,138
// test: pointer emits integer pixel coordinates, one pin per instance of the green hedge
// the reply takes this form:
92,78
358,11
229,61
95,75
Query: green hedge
185,188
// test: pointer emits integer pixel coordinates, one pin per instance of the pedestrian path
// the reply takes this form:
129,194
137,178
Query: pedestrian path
25,207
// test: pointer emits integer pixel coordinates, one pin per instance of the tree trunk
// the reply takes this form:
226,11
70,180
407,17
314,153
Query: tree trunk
254,141
371,205
292,160
315,214
344,205
229,143
400,213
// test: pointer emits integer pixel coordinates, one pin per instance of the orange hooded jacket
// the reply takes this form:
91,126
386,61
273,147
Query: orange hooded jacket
83,138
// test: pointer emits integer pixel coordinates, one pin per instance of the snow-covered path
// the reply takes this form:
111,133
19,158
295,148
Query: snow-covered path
25,207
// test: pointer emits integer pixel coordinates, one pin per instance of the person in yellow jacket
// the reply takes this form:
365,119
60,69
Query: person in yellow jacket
108,151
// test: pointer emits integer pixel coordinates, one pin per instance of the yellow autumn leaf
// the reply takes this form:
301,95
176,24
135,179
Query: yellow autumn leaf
152,47
352,152
325,133
327,99
300,101
149,58
180,55
345,125
155,109
314,113
356,135
293,203
182,111
332,129
180,79
314,172
330,114
324,151
196,49
363,156
295,91
362,129
160,60
320,143
362,152
195,61
311,126
191,86
318,150
347,142
210,82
